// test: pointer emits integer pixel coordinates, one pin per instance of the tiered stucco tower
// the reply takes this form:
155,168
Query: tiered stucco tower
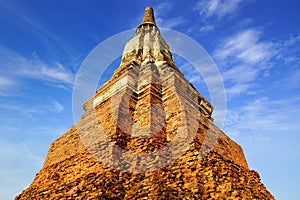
142,137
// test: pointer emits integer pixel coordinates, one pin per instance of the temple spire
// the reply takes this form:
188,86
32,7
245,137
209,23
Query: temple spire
148,19
147,46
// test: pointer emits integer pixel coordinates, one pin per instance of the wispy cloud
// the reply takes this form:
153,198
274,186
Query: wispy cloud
162,11
5,82
289,50
22,158
219,8
264,115
163,7
15,67
57,107
246,47
293,39
170,23
25,18
246,56
54,107
56,73
7,86
16,167
207,28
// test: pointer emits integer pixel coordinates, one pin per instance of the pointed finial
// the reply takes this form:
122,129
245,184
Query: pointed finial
148,16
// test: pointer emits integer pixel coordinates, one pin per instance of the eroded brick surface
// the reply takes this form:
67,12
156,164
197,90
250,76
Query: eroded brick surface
70,172
145,106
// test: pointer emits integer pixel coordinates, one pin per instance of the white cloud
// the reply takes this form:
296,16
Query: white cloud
54,107
240,74
57,107
293,39
237,89
163,7
219,8
246,47
56,73
33,24
7,86
289,50
239,79
5,82
15,66
169,23
243,58
163,20
52,131
207,28
18,161
22,158
264,115
293,80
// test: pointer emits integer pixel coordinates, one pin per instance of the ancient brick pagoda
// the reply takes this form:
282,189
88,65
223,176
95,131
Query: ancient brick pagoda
142,137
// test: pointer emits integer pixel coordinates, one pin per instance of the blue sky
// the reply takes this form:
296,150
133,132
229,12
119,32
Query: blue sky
255,44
